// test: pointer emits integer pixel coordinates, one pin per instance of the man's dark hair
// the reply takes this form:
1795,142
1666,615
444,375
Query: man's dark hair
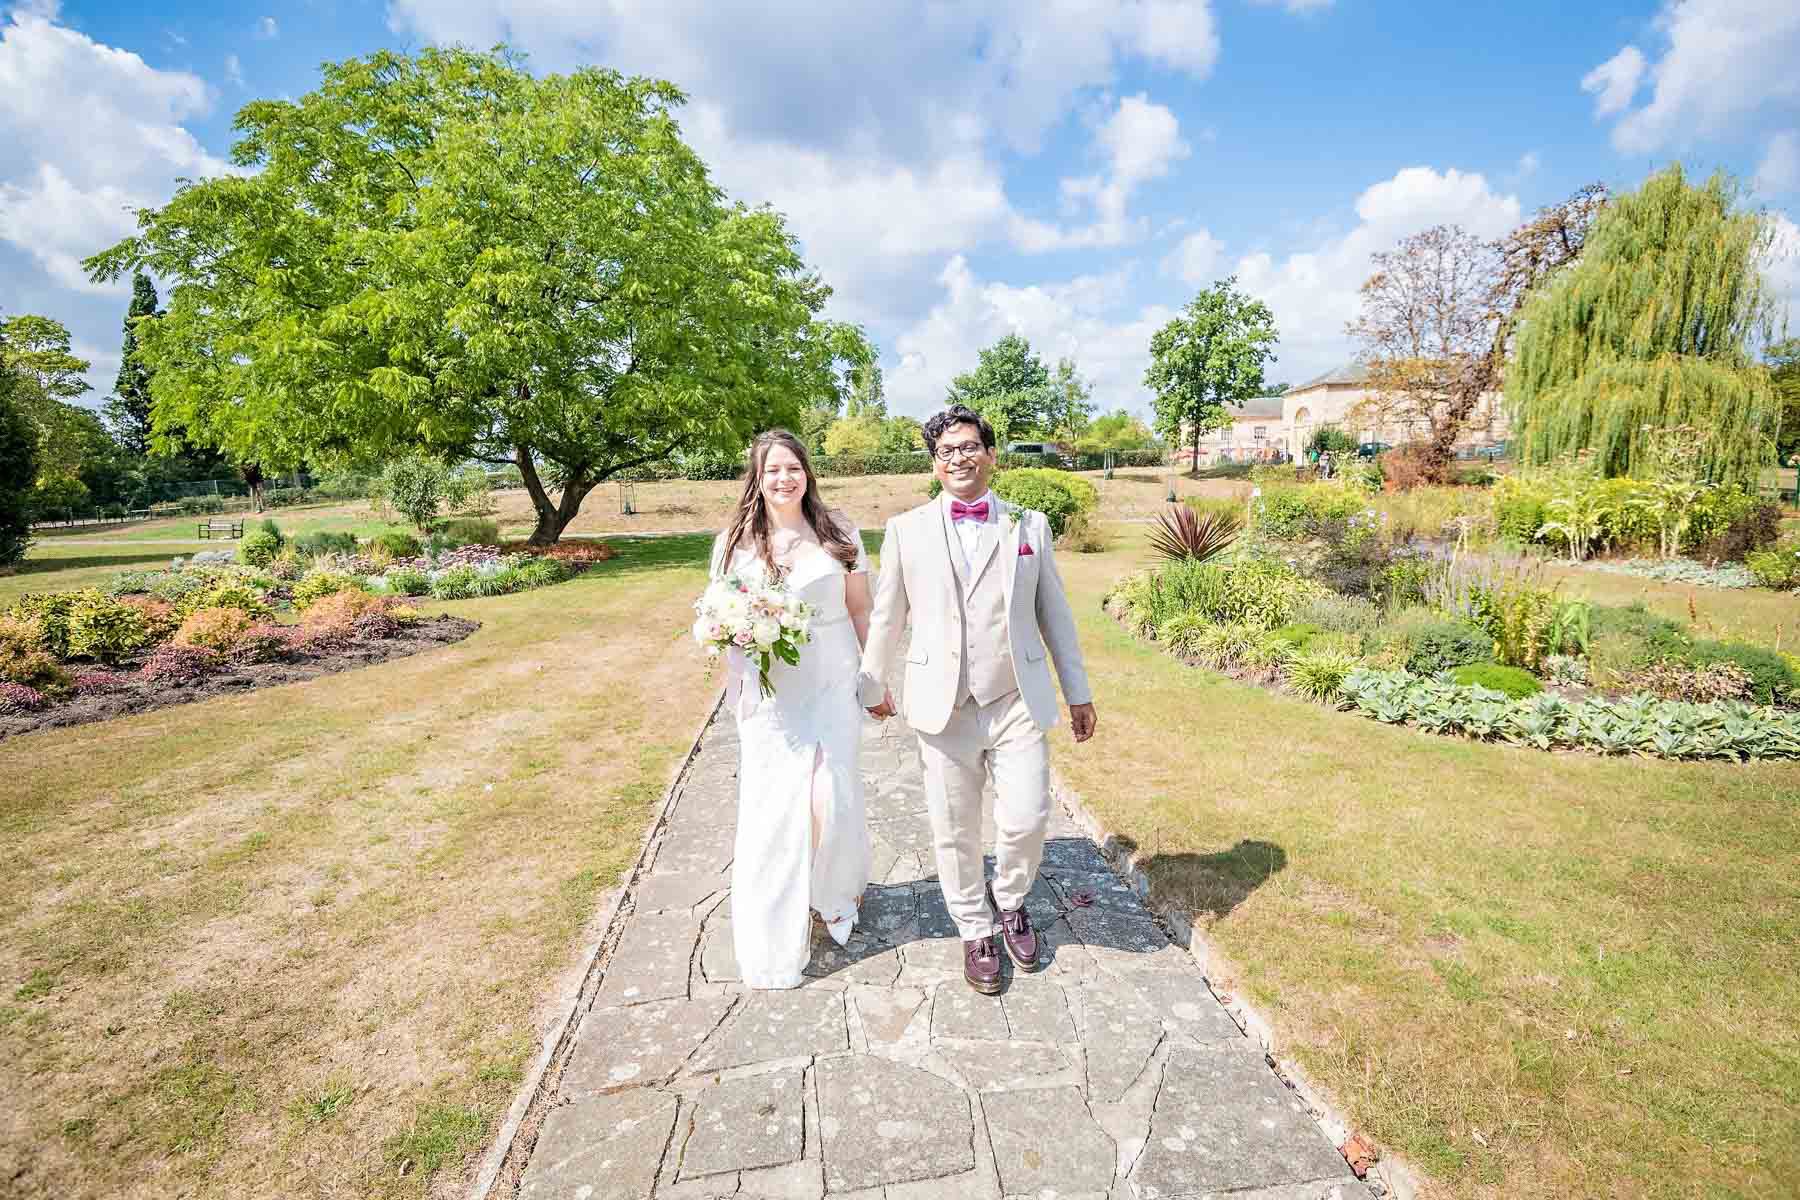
957,414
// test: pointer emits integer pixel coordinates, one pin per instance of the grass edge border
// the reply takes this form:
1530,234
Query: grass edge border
557,1040
1400,1179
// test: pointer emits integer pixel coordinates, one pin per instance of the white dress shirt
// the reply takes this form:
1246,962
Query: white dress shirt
972,534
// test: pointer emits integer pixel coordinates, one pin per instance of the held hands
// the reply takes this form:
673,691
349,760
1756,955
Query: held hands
885,709
1082,720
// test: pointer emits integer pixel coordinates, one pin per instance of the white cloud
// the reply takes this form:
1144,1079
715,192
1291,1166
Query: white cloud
1725,60
1143,139
1615,81
1196,258
1140,140
1528,165
234,70
267,30
1314,293
87,132
1780,169
1782,267
1084,318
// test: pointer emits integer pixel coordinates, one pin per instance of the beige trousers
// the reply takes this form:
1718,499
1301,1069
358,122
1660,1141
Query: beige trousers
1001,739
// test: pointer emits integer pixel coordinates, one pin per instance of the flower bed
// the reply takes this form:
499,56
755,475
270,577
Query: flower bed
1351,614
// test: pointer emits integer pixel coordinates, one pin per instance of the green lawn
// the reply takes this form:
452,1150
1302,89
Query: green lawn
301,941
1531,974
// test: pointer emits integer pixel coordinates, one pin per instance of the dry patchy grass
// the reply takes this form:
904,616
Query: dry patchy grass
299,942
1533,974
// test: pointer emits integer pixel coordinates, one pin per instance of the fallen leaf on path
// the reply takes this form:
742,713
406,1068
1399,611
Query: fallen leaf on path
1081,899
1360,1153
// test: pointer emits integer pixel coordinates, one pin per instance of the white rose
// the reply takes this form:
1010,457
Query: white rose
766,632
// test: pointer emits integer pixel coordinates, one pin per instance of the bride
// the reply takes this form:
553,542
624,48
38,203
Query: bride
802,843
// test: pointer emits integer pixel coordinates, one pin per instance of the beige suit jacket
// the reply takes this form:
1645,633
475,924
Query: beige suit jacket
919,581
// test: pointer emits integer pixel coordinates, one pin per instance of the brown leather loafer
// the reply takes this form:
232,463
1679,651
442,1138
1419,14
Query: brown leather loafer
1020,938
981,965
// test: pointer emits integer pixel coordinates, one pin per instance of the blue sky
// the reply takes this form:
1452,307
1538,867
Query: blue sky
1071,171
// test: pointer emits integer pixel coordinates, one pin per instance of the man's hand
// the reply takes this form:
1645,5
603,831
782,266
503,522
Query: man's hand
1082,721
885,709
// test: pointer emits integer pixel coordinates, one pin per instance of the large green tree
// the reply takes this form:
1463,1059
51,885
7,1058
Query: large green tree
128,408
1653,328
1010,386
443,252
1211,356
1117,431
18,469
1071,402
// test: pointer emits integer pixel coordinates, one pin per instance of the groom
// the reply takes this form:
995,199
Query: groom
979,582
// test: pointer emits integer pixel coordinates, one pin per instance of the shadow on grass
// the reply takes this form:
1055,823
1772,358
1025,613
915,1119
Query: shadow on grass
71,562
1215,883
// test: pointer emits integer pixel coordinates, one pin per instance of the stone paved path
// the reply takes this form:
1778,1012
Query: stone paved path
1110,1073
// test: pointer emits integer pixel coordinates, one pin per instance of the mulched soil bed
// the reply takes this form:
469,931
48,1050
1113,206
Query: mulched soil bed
134,696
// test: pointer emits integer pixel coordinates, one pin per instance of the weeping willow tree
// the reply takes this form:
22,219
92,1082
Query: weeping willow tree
1651,329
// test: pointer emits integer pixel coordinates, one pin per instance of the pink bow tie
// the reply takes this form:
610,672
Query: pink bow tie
977,511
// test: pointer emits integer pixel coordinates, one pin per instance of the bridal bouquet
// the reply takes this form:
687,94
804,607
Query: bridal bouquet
755,616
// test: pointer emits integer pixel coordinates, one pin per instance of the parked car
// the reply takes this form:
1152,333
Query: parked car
1372,449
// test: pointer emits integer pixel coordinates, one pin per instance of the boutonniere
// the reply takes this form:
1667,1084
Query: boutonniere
1012,518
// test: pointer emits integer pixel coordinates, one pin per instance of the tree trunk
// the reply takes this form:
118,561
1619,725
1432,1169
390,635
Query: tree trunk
552,518
1194,465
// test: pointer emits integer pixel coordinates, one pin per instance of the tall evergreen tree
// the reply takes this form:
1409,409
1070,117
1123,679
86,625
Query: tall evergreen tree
18,469
1652,328
128,408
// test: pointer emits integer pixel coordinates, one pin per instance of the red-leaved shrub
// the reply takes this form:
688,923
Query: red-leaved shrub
98,682
182,664
16,699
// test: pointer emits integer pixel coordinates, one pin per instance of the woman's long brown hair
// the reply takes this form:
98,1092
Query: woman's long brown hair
752,518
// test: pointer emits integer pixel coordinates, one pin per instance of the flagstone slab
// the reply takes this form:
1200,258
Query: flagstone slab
602,1148
1047,1143
695,849
678,890
651,960
883,1122
996,1066
889,913
886,1013
745,1123
775,1025
959,1011
1186,1004
1037,1010
1223,1121
1120,1032
642,1044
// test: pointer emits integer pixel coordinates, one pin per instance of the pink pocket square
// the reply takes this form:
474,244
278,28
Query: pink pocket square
1025,549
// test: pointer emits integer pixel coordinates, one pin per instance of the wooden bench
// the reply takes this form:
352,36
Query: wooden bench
229,528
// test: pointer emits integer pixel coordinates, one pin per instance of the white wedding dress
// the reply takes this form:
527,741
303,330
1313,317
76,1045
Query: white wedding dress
802,839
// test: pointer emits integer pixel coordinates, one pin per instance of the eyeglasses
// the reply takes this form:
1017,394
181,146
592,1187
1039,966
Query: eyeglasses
966,450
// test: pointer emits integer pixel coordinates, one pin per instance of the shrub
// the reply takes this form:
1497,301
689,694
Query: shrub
1183,631
1777,568
23,659
287,566
98,681
1254,592
259,549
1296,635
1411,466
1772,680
1680,681
16,699
214,628
1426,644
224,593
408,581
1662,637
1340,614
316,584
160,618
325,541
1222,647
1319,675
1083,535
574,553
471,531
397,542
1739,529
1512,681
104,629
181,665
340,609
541,572
50,610
456,583
1059,495
261,642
